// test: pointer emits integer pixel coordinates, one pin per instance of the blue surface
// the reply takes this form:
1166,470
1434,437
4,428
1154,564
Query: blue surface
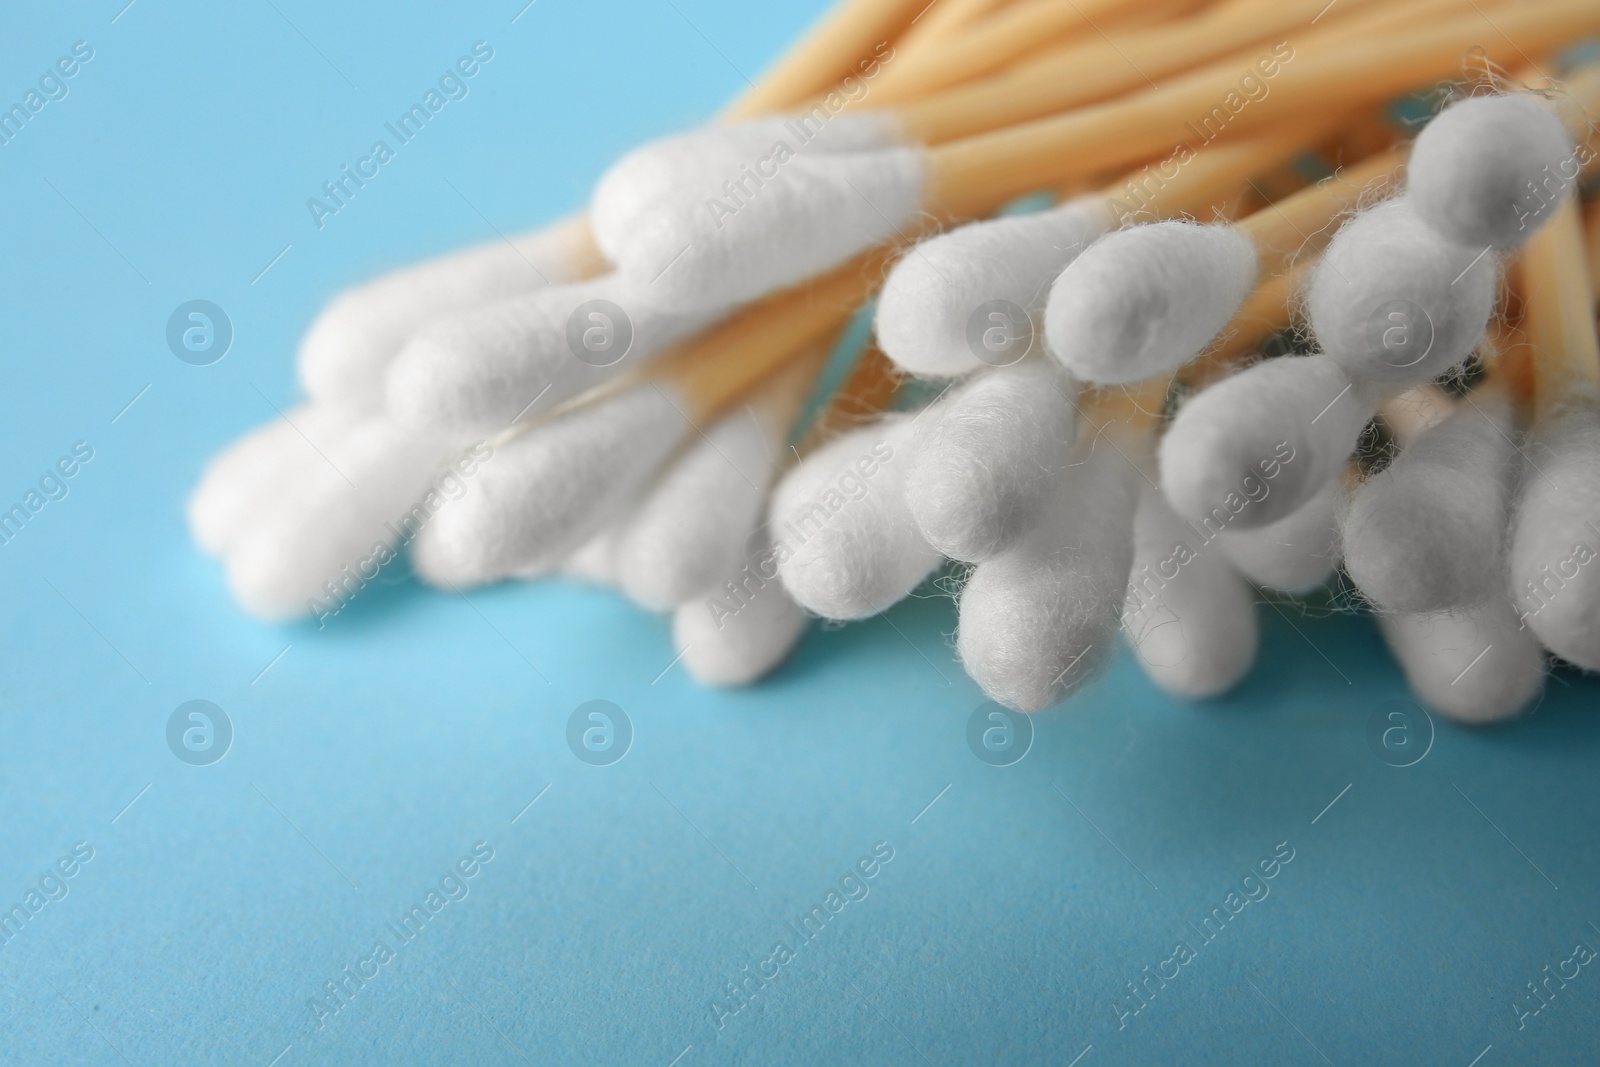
369,757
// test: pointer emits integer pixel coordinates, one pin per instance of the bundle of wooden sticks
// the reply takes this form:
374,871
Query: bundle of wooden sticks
1215,297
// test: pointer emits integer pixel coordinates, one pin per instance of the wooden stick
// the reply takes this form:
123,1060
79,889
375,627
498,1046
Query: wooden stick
1575,96
977,173
1138,407
999,40
1282,229
832,49
1199,182
942,18
1408,15
1577,101
1265,311
1099,69
718,365
1506,353
1411,413
1591,226
1559,320
782,396
867,390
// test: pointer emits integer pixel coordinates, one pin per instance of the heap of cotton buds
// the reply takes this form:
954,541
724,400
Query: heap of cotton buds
624,397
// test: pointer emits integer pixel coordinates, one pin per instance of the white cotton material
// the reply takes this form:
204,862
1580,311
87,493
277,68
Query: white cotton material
1487,171
983,459
734,640
244,481
1042,620
1146,300
593,561
550,488
925,312
345,352
1428,533
1253,448
1555,541
1189,617
701,248
637,184
1440,655
479,371
1296,554
329,530
847,545
1394,302
690,531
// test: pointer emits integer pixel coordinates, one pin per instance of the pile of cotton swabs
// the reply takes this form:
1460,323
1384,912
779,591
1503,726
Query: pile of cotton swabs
633,396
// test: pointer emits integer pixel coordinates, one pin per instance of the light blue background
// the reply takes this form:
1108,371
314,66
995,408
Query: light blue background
374,753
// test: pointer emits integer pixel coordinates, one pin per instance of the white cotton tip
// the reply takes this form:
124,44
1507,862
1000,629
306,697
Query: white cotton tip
1394,302
713,243
477,372
983,460
551,487
1428,533
967,298
1253,448
1146,300
637,184
1475,666
244,480
741,630
1555,541
1042,620
330,530
1297,553
347,348
846,542
1486,171
690,531
1190,618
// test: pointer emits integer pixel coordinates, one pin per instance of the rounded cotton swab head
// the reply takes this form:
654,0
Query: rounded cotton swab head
1146,300
741,630
1190,619
1297,553
1555,541
689,532
344,354
1041,620
332,528
1427,534
845,541
1476,666
480,371
1256,446
1394,302
551,487
731,162
745,625
964,300
984,459
704,247
1485,171
243,481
